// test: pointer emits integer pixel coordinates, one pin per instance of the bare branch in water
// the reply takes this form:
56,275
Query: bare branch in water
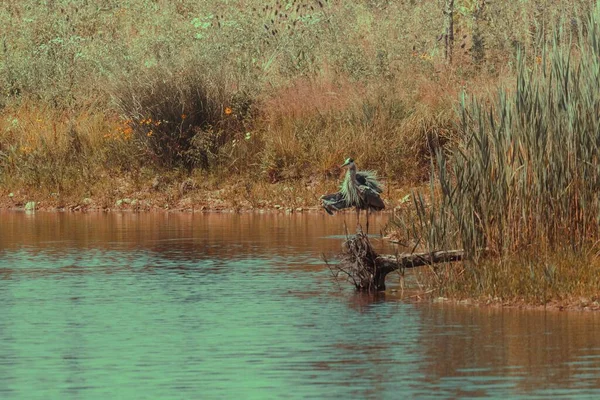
366,269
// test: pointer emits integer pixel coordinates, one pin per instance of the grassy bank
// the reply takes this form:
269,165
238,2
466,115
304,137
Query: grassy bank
268,92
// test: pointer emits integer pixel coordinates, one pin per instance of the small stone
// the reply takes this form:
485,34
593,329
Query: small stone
11,195
277,206
299,209
87,201
30,206
122,202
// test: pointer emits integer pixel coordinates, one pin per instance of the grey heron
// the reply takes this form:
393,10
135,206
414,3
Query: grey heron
360,189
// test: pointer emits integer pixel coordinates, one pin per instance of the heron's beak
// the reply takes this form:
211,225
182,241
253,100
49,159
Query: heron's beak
344,164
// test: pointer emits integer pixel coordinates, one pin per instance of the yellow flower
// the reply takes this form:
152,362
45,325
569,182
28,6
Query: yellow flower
228,111
149,133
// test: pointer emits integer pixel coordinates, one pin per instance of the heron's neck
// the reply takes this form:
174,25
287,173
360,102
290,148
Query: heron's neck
352,172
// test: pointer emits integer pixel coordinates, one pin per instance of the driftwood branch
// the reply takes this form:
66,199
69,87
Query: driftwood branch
367,270
412,260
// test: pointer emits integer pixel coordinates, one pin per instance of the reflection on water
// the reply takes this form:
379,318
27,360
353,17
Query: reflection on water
240,306
523,351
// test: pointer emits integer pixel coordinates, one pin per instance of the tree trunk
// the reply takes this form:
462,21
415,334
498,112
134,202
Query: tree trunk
389,263
449,30
478,41
367,269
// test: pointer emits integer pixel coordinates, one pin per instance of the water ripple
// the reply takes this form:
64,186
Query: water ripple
150,307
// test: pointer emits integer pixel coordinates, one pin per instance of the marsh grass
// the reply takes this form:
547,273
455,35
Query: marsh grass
378,63
562,278
523,181
57,151
243,91
311,130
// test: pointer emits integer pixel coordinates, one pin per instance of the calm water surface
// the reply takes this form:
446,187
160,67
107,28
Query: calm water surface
181,306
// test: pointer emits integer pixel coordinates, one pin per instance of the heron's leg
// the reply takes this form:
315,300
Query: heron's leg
367,211
357,218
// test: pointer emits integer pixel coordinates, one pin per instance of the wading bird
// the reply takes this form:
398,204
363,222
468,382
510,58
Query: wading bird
360,189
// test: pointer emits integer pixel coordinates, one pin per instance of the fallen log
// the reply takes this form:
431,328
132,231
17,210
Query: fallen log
367,270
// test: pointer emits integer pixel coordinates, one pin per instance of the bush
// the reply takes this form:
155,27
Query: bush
182,118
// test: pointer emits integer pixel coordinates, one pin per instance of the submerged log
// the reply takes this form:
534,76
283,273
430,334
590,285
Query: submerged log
367,270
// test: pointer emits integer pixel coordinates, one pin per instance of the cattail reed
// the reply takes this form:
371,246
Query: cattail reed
526,175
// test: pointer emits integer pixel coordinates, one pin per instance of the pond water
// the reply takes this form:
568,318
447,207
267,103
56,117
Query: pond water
229,306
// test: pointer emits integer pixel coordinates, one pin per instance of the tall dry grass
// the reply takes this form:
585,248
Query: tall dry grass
56,151
522,183
270,91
